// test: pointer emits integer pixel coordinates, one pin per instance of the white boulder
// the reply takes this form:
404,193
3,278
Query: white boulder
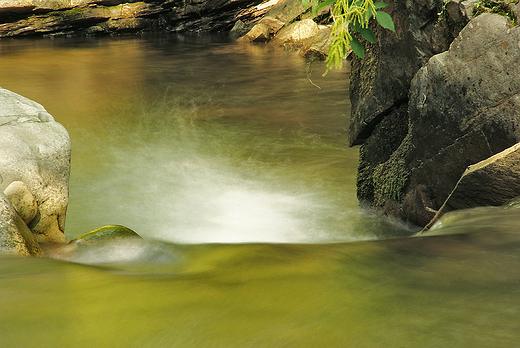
35,150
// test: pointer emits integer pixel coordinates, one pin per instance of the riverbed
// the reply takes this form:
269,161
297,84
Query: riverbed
231,161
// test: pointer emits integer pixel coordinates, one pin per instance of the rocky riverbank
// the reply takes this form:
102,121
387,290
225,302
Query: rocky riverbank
287,21
97,17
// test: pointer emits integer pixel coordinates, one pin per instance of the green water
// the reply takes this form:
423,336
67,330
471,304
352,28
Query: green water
234,167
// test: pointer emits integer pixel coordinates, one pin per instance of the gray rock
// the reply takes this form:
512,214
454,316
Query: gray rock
380,83
15,237
274,24
237,29
22,200
494,181
35,149
469,7
464,107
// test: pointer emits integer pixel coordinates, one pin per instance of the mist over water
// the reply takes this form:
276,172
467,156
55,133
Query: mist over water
203,140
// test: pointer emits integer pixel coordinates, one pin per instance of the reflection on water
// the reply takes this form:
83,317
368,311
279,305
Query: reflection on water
194,141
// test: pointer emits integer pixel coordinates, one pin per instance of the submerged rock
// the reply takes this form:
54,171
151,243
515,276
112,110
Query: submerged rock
104,234
34,150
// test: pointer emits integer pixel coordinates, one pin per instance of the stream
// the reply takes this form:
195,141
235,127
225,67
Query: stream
231,161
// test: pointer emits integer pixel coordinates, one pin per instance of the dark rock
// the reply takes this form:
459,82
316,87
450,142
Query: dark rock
380,83
464,107
59,17
492,182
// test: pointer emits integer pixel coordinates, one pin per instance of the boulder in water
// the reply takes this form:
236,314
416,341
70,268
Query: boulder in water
104,234
34,150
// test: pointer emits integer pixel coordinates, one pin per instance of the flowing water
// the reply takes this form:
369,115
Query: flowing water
231,162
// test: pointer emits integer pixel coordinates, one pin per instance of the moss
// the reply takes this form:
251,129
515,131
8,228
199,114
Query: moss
105,233
501,8
379,148
365,184
390,181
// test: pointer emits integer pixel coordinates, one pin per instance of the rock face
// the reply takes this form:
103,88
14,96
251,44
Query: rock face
494,181
22,200
65,17
380,83
464,107
15,236
34,167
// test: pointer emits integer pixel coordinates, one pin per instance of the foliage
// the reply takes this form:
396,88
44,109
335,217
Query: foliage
498,7
351,15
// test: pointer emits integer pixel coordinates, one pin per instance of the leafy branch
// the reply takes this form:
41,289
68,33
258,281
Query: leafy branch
350,15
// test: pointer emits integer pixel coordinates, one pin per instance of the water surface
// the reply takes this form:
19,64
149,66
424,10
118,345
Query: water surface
232,162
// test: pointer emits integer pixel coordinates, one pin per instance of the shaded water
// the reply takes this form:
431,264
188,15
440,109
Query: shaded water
193,141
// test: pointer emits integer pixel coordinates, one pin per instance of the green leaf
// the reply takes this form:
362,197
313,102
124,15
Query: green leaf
314,8
305,3
366,33
357,48
385,20
378,5
325,3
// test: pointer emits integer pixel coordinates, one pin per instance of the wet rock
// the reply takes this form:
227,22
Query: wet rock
15,236
22,200
35,150
464,107
104,234
494,181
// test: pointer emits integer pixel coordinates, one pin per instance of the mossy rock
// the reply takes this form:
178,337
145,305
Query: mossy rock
105,234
